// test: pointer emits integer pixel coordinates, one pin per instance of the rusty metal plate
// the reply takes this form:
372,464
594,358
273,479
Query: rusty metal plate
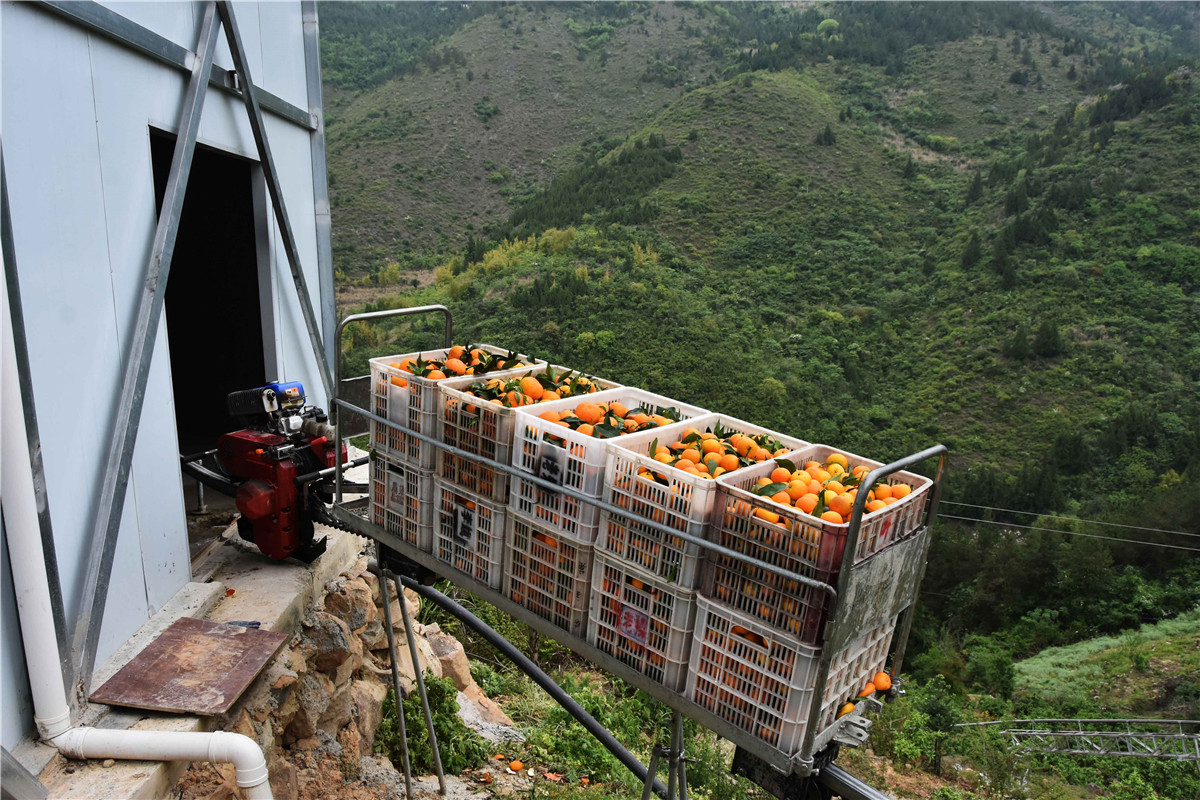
194,666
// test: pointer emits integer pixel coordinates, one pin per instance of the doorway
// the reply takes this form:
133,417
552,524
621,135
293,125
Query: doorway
213,302
218,294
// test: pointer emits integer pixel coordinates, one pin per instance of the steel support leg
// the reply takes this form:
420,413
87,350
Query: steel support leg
391,637
267,162
652,772
676,763
412,649
115,478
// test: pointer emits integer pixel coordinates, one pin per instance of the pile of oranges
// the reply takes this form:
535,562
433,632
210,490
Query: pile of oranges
825,490
606,420
459,360
713,453
531,389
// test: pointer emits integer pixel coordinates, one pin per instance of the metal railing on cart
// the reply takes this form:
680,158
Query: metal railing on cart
871,592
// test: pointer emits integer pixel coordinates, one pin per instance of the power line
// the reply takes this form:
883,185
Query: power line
1072,519
1072,533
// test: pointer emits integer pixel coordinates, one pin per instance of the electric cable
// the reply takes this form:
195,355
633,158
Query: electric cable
1073,533
1071,519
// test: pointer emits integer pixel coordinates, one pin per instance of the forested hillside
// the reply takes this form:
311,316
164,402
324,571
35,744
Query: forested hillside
878,226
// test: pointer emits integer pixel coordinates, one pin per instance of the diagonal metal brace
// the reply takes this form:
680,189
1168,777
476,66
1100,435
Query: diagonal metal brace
250,97
117,465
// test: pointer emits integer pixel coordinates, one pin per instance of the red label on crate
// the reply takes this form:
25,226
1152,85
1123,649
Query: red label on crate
885,527
395,490
634,624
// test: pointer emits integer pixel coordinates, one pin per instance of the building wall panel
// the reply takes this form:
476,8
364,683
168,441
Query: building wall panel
76,114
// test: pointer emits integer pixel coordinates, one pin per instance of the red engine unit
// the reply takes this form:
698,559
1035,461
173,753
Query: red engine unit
276,514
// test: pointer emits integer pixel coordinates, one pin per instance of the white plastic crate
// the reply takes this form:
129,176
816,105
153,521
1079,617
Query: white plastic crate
402,502
852,668
571,459
798,542
412,403
577,518
685,502
468,533
763,681
548,572
483,429
641,620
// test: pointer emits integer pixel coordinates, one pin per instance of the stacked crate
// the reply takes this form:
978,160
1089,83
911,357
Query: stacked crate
649,641
403,497
759,635
630,554
545,568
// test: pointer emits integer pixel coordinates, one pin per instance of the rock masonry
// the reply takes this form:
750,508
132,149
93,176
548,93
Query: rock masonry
315,709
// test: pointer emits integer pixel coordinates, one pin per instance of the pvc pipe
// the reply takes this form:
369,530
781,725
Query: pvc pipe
22,530
27,558
242,751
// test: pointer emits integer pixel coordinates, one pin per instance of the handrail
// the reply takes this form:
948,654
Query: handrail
597,502
337,363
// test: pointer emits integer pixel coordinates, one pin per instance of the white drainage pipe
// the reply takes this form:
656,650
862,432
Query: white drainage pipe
27,560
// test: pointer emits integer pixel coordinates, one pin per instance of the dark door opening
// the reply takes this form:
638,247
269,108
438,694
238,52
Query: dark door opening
214,311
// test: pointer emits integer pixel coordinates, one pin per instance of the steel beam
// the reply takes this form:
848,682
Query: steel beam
32,434
98,19
118,463
19,783
312,63
250,98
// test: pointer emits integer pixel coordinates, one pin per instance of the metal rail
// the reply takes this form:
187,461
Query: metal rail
595,501
127,33
1102,737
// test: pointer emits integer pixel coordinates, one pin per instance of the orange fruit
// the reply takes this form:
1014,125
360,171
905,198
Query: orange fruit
618,409
875,505
712,446
882,491
399,382
836,486
585,429
842,504
832,516
456,366
531,388
796,489
436,375
837,458
780,475
516,766
781,497
882,681
691,454
889,500
901,490
729,462
807,503
407,364
769,516
867,690
846,709
589,412
456,351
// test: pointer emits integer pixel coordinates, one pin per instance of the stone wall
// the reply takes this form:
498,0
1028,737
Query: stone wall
316,707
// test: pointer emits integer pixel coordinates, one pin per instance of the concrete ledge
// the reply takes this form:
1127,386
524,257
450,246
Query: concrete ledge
274,593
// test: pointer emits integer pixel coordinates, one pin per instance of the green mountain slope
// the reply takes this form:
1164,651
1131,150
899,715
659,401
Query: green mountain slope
426,158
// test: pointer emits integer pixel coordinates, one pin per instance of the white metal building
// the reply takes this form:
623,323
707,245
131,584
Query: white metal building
94,99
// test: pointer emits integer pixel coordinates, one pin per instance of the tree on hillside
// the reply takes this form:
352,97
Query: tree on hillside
826,137
910,167
975,190
973,251
1048,342
1018,346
